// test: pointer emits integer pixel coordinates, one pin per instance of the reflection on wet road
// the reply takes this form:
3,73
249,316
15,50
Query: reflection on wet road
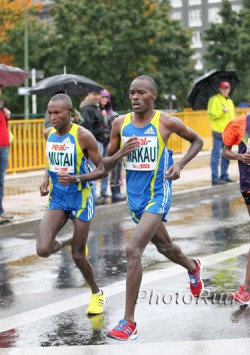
200,228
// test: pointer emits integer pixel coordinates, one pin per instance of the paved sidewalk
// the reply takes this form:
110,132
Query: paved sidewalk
23,200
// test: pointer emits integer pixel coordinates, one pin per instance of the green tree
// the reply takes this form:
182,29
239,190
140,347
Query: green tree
229,48
13,46
110,41
113,41
222,39
242,53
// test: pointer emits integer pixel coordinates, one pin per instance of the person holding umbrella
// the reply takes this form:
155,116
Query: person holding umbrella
220,112
4,155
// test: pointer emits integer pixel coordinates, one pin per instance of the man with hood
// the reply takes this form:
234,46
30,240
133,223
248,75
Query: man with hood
93,120
115,180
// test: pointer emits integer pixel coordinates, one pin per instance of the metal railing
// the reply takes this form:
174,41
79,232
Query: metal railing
27,151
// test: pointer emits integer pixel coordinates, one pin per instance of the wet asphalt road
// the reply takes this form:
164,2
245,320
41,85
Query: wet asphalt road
165,311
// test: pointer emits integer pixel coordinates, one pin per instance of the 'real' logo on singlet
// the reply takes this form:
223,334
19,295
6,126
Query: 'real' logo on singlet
145,157
60,156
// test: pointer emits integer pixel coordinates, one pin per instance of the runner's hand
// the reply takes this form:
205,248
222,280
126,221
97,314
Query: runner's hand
65,179
130,145
44,187
173,172
246,158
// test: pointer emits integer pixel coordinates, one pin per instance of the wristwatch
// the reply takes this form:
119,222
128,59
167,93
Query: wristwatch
77,179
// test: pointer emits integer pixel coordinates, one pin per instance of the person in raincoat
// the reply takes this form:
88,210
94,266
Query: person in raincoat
220,112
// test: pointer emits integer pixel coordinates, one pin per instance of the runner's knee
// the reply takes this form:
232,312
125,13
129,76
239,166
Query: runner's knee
165,248
79,257
132,252
43,251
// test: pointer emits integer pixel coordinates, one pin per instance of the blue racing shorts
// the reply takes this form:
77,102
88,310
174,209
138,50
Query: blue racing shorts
79,204
152,207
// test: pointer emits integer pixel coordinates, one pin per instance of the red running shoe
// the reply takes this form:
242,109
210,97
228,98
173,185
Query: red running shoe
242,296
196,283
123,331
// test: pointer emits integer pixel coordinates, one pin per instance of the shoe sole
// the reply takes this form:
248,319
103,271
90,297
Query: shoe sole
241,302
132,337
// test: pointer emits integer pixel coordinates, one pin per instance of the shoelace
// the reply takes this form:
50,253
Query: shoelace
194,278
242,289
121,325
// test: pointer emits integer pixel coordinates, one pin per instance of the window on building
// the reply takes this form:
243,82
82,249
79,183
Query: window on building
194,2
177,15
213,1
176,3
237,8
196,40
195,18
213,15
198,62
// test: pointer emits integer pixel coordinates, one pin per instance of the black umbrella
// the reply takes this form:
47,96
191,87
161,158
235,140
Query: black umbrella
207,85
71,84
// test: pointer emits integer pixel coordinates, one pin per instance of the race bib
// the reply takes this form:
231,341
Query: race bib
145,157
60,157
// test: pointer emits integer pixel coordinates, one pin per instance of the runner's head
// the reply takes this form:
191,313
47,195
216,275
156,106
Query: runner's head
143,93
66,100
59,110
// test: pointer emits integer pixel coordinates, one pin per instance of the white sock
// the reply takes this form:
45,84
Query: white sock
98,293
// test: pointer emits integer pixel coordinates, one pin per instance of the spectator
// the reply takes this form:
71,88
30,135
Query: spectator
220,112
93,121
4,155
115,176
115,182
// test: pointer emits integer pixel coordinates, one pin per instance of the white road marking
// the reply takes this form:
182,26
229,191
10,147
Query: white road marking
110,290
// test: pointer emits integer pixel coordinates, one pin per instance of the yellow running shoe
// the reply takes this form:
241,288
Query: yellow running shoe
97,303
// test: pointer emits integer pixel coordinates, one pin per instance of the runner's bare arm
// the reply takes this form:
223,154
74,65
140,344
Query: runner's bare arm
229,154
44,187
175,125
114,152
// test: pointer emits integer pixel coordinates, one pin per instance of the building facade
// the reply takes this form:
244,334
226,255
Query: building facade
45,15
197,15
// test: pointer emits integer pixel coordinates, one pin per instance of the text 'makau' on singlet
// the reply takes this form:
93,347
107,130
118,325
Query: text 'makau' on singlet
145,167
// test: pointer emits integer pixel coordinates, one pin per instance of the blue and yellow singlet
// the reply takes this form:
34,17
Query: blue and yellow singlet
65,154
147,188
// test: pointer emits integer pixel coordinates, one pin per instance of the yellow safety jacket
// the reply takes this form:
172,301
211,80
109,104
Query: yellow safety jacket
219,118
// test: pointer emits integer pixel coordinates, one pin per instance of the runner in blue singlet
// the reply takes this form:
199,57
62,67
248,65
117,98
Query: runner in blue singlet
68,148
140,140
